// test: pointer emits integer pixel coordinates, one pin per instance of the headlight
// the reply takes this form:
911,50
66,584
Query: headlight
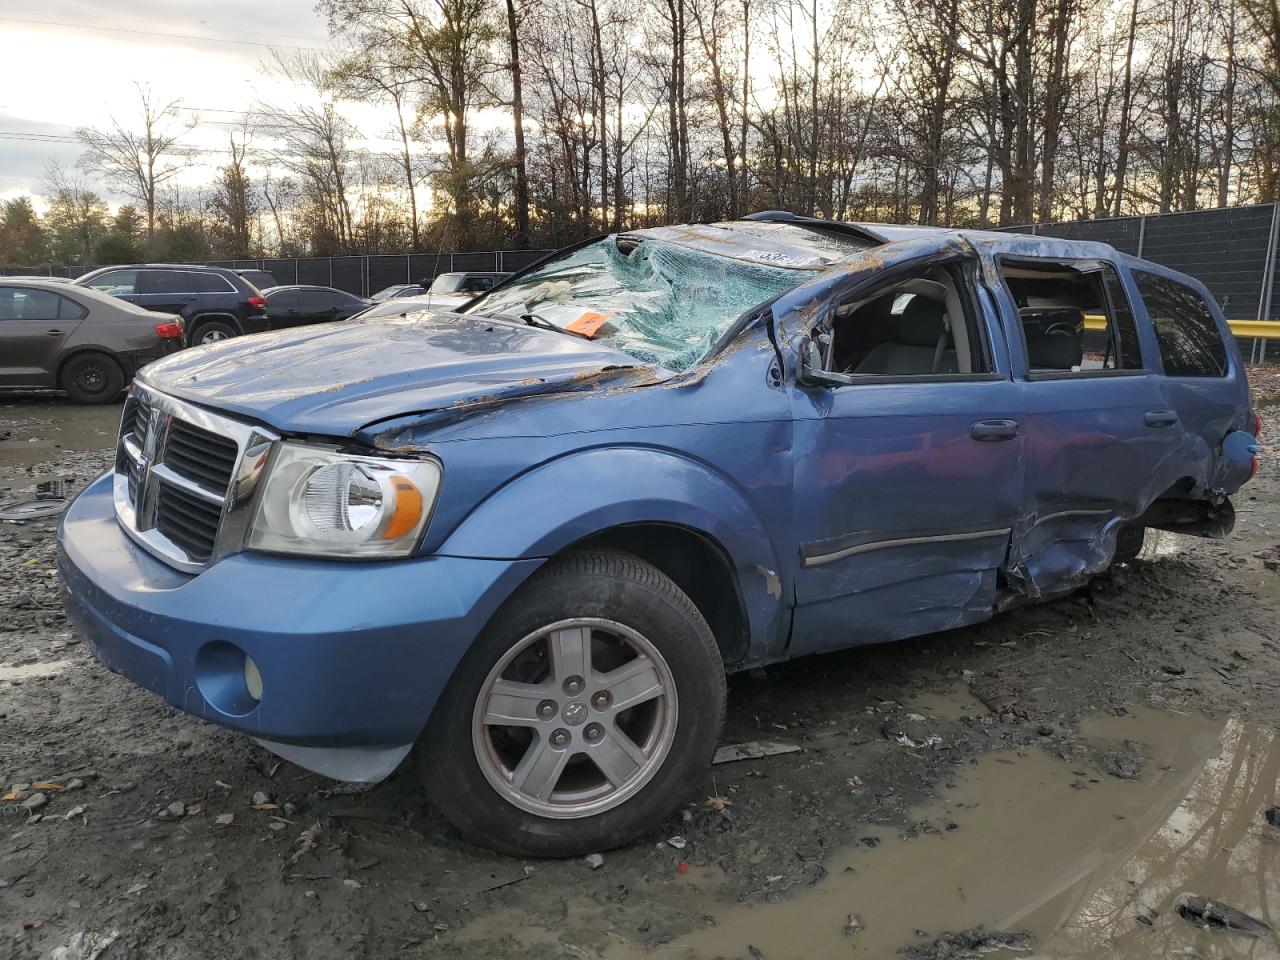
318,501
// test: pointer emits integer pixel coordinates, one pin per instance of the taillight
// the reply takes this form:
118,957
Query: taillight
258,303
169,331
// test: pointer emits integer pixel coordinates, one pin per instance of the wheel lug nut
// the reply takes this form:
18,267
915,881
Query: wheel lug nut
593,732
601,699
547,708
559,738
573,685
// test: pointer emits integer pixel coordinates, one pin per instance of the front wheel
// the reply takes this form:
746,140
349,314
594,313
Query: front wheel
583,715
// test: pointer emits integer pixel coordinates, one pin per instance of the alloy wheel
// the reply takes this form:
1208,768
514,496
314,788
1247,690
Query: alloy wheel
575,718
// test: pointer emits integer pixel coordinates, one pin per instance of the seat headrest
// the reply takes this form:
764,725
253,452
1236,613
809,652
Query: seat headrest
1053,351
921,324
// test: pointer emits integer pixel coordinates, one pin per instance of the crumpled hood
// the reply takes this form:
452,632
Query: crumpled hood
337,377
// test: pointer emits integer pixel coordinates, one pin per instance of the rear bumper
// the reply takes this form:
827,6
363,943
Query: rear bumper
351,655
255,324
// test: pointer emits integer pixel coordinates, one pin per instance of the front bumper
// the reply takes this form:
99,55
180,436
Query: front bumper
351,655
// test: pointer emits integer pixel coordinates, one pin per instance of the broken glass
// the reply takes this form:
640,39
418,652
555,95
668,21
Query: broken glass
662,303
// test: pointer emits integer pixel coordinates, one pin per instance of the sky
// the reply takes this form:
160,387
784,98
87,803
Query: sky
70,63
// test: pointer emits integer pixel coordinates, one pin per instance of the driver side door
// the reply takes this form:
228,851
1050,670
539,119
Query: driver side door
909,477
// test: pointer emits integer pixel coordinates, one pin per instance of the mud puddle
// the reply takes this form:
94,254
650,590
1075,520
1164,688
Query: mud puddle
38,430
1087,863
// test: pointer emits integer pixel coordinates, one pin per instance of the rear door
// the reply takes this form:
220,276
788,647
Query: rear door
1100,431
34,326
167,291
1204,378
907,480
317,306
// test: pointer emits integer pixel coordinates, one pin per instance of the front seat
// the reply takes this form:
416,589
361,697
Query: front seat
922,344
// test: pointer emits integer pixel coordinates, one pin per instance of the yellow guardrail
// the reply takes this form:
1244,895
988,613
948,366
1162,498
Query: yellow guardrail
1245,329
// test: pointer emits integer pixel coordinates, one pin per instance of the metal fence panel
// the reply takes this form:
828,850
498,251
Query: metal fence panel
348,274
1225,249
513,260
1123,233
313,270
284,270
385,271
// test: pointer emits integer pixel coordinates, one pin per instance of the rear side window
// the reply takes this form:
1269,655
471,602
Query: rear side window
165,281
1075,317
210,283
68,309
1190,342
316,301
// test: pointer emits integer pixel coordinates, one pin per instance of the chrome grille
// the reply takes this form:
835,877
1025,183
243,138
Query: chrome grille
185,478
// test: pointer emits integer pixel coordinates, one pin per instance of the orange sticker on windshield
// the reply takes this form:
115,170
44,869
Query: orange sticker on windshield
589,324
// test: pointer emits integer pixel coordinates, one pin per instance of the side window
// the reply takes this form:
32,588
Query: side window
116,283
164,281
1074,316
68,309
282,300
27,304
10,304
209,283
1190,342
915,326
316,301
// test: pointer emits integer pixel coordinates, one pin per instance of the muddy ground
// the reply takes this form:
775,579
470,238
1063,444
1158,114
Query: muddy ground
1058,777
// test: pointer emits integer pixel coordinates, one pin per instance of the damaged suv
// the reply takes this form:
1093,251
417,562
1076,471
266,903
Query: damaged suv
526,541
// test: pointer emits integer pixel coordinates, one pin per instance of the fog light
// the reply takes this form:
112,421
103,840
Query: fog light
252,678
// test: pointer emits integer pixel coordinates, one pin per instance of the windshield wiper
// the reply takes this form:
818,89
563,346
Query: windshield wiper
534,320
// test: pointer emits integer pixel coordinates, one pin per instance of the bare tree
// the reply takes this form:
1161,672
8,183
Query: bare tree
138,162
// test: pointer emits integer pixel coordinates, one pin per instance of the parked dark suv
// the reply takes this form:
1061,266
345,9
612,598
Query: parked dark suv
214,303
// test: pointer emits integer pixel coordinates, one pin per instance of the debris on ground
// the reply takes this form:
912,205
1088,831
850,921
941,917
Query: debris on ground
594,860
1000,698
1273,816
753,750
967,945
84,945
1203,912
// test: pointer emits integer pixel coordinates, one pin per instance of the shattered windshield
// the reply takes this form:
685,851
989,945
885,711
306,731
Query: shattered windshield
658,301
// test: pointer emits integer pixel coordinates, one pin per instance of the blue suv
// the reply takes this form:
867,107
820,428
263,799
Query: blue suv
526,541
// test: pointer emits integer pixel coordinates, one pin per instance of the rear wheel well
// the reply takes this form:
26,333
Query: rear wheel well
698,565
199,319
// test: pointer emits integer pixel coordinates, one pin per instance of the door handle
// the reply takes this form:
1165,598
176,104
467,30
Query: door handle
994,430
1160,418
53,333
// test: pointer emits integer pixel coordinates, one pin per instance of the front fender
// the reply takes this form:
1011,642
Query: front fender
568,499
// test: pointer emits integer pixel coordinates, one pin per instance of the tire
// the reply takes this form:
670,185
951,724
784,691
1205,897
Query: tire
91,377
658,750
212,331
1129,543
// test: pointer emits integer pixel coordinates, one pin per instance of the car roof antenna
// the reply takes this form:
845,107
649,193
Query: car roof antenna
435,270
